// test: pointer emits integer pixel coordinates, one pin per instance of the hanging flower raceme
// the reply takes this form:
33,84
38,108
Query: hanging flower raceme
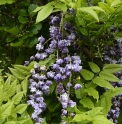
63,67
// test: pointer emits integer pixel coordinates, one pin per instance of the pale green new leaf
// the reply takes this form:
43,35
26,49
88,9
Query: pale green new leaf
112,68
17,74
11,122
97,8
21,108
94,67
92,92
5,110
61,6
108,76
95,111
44,13
24,70
81,117
89,11
1,94
103,83
86,74
77,111
106,7
24,85
116,2
87,102
106,103
109,2
12,89
17,98
99,119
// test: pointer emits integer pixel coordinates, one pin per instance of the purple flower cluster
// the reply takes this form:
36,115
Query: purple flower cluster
113,54
38,85
62,69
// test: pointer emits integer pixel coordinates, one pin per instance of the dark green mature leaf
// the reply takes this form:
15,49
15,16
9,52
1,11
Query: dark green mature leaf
94,67
44,13
22,19
17,44
108,76
5,110
87,75
31,8
13,30
112,68
23,12
87,102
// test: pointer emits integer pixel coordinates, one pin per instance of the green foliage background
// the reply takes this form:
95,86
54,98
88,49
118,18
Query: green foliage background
22,22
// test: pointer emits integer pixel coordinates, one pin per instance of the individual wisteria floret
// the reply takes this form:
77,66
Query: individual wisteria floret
39,47
41,39
77,86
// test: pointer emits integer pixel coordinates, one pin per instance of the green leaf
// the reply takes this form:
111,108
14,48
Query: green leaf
61,6
2,2
97,8
79,93
31,8
5,110
89,11
108,76
112,68
10,122
12,89
38,8
115,2
17,74
106,103
23,12
24,70
99,119
18,88
17,98
87,75
17,44
24,85
1,94
94,67
21,108
78,111
95,111
44,13
13,30
103,83
86,102
81,117
22,19
106,7
92,92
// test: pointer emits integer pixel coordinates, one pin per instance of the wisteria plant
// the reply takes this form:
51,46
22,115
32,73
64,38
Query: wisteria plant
72,74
